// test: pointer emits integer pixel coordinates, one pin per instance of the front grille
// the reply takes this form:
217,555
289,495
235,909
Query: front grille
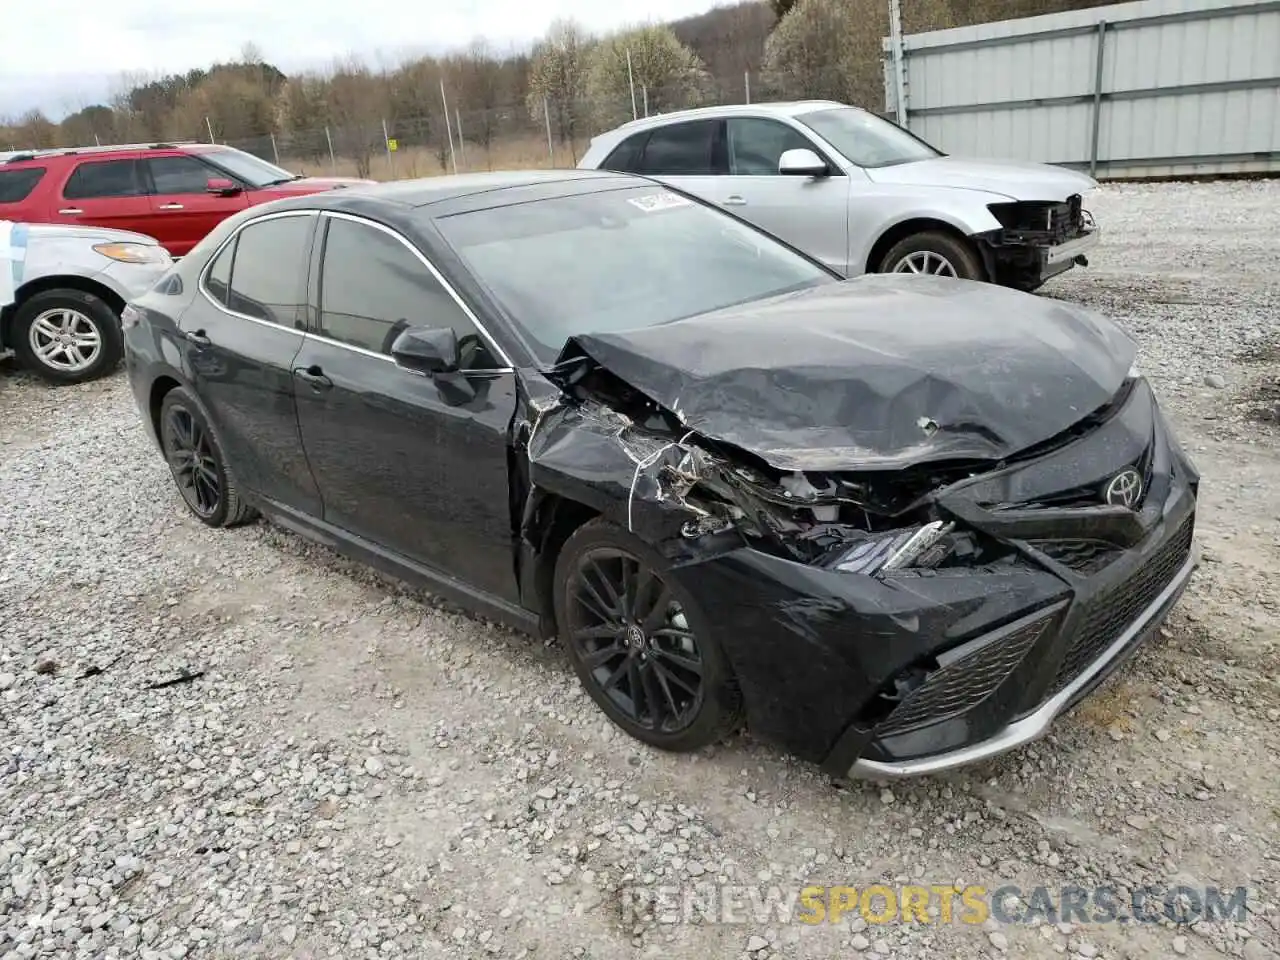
1055,222
1113,612
1085,557
961,685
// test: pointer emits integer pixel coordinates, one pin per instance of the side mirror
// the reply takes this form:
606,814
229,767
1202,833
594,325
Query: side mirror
221,187
428,350
801,163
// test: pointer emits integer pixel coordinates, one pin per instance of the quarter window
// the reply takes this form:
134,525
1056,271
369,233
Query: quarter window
104,178
268,269
373,287
218,280
16,185
626,156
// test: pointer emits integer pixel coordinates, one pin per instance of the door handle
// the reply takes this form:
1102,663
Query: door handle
314,376
70,211
197,337
170,206
735,201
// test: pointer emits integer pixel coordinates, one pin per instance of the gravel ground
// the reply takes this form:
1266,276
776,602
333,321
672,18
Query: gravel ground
359,772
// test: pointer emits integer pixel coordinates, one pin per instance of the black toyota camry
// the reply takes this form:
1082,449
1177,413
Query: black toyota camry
896,524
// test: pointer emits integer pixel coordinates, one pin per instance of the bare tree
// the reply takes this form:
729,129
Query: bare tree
358,101
481,87
558,80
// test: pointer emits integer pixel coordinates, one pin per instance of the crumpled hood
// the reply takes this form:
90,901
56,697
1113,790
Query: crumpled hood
879,372
1016,179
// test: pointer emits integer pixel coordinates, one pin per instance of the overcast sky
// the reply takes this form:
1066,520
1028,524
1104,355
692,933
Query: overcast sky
61,55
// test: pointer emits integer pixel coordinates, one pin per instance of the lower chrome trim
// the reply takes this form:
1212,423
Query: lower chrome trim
1034,725
1073,248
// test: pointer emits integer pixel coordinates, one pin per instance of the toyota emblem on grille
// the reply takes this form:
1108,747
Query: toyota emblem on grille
1124,489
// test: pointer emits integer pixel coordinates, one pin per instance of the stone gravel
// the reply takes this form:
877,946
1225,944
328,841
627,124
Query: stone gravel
236,743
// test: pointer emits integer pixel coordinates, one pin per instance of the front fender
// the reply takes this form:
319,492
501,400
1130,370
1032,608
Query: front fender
877,209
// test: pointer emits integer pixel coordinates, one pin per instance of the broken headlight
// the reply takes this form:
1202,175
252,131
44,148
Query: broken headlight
922,546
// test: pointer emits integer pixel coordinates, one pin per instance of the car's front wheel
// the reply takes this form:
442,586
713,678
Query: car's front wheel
198,465
639,646
934,253
67,336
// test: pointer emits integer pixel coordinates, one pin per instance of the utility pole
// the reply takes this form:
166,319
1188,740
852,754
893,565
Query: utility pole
899,62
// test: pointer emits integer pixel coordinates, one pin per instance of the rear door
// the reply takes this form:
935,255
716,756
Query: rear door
811,213
242,333
183,211
688,155
412,463
104,193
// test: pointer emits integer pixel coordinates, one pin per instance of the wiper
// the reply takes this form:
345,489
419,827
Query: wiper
273,183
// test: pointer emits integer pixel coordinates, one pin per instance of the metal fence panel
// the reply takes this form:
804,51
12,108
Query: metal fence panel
1152,88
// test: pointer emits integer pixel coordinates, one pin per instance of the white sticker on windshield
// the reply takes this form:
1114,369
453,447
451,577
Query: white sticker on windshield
659,201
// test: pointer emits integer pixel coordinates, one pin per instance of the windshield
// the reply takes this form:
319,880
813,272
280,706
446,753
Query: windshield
247,167
618,260
867,140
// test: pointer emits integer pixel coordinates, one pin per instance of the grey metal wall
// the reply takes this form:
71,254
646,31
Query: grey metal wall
1146,89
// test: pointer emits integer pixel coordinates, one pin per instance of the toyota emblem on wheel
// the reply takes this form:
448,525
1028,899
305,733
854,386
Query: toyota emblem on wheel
1124,489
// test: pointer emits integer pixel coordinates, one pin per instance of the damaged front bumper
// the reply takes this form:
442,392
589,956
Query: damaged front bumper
1051,573
1037,241
1032,726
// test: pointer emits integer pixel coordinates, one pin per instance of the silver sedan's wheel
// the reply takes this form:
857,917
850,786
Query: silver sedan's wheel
925,261
65,340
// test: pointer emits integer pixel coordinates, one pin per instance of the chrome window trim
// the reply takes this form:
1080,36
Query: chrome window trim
498,352
204,273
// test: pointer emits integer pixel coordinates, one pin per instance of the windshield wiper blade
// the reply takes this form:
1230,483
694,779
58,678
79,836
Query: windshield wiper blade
272,183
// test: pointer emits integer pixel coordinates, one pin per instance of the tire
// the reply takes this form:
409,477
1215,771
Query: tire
655,651
93,345
185,432
930,246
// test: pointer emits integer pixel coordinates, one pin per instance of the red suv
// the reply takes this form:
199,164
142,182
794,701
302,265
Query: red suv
174,192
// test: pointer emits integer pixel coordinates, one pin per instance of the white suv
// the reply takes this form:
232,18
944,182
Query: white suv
62,290
861,194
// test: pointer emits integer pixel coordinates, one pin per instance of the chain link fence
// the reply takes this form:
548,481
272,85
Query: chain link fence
537,132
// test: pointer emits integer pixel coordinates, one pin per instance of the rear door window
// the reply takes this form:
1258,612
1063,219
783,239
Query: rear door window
16,185
104,178
268,270
680,150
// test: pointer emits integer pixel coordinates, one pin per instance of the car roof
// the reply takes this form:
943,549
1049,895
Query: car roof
460,193
780,108
18,157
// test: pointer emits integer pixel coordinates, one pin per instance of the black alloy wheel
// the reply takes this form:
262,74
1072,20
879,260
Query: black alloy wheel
634,647
195,459
191,460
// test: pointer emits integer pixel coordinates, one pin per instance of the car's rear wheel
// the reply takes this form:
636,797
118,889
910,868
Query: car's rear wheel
67,336
934,253
639,645
204,478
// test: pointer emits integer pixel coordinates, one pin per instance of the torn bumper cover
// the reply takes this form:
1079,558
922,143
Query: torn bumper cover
1038,241
999,556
